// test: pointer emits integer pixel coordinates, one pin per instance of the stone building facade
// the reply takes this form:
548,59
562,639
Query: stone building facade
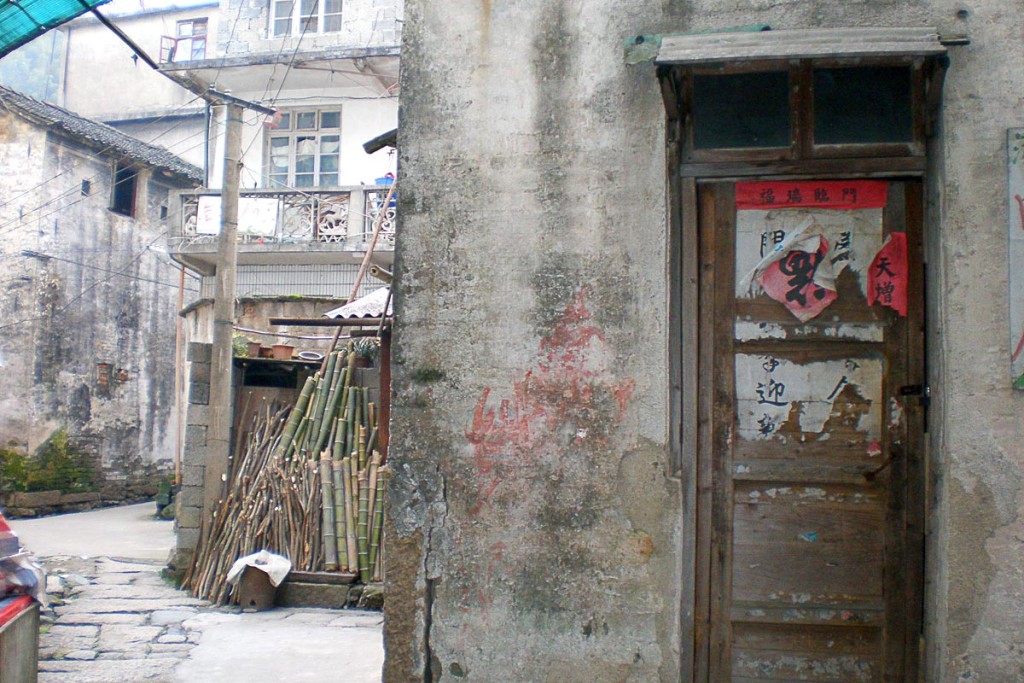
568,493
89,295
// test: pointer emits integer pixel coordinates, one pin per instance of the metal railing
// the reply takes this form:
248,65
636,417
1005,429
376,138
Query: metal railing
345,216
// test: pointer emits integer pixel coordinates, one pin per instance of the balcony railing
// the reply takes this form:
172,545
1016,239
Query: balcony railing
344,216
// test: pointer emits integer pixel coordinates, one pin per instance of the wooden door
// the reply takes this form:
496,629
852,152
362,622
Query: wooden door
809,541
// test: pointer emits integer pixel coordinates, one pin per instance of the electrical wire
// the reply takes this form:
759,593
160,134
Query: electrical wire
265,333
231,35
91,287
291,62
51,257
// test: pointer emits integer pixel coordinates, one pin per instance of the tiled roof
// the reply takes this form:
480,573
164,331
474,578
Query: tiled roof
98,135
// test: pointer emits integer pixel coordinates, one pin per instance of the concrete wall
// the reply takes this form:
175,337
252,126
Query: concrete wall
107,295
196,409
103,81
534,529
364,23
255,314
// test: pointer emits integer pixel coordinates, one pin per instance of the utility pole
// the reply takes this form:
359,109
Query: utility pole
221,399
218,434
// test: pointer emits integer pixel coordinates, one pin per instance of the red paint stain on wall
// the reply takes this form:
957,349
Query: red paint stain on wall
566,388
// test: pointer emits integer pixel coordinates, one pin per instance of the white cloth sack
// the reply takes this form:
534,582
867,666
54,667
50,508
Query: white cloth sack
274,566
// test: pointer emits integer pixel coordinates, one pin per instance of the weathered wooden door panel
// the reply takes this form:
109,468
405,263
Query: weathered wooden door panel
809,441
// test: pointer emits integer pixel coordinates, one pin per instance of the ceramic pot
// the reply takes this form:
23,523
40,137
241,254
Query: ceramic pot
283,351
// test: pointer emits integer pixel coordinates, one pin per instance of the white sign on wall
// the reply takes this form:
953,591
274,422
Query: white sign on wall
1015,146
256,215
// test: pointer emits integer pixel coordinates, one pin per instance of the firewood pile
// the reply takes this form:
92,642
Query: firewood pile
307,484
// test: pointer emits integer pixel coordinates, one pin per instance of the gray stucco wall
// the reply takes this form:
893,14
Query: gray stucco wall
529,431
534,528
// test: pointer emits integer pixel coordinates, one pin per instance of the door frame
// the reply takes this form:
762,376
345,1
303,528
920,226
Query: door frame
693,409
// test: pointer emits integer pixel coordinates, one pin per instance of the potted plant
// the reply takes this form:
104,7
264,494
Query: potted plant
366,350
239,346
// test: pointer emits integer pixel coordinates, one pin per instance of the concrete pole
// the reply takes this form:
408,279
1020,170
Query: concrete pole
218,435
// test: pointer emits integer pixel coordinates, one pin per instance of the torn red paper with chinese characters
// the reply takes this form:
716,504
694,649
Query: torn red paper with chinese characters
791,281
887,277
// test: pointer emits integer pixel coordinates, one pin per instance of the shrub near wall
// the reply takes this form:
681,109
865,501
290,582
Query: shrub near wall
58,477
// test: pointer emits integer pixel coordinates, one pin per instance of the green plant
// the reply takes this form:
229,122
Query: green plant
58,465
366,347
239,346
13,470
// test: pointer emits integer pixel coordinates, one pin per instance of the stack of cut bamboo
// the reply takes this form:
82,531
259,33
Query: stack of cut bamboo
309,487
350,471
270,504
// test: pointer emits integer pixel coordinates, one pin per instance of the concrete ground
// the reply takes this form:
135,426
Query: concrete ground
128,531
114,620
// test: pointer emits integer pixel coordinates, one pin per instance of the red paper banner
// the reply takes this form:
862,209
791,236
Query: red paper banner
822,194
790,281
887,278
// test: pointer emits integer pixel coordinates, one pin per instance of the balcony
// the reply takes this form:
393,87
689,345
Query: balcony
318,226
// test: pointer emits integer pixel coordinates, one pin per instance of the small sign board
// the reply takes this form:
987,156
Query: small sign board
1015,253
256,215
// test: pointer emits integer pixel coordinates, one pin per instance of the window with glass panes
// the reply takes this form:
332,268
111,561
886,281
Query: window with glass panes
304,149
191,40
294,17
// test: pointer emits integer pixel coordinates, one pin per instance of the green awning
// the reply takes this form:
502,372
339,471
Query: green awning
23,20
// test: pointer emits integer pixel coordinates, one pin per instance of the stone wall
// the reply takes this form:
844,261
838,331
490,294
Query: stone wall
87,304
189,501
255,313
41,503
533,527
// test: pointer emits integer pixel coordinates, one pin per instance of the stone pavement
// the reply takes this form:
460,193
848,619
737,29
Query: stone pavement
115,620
119,621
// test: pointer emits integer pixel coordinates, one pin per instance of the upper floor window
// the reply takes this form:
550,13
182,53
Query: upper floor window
802,109
188,44
295,17
304,149
122,196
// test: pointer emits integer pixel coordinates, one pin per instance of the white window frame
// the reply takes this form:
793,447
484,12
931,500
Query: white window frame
292,17
286,127
180,47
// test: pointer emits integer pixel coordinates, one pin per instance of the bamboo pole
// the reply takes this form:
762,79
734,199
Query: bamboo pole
327,420
340,521
361,447
350,526
327,381
383,476
372,506
295,417
330,540
363,539
311,420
